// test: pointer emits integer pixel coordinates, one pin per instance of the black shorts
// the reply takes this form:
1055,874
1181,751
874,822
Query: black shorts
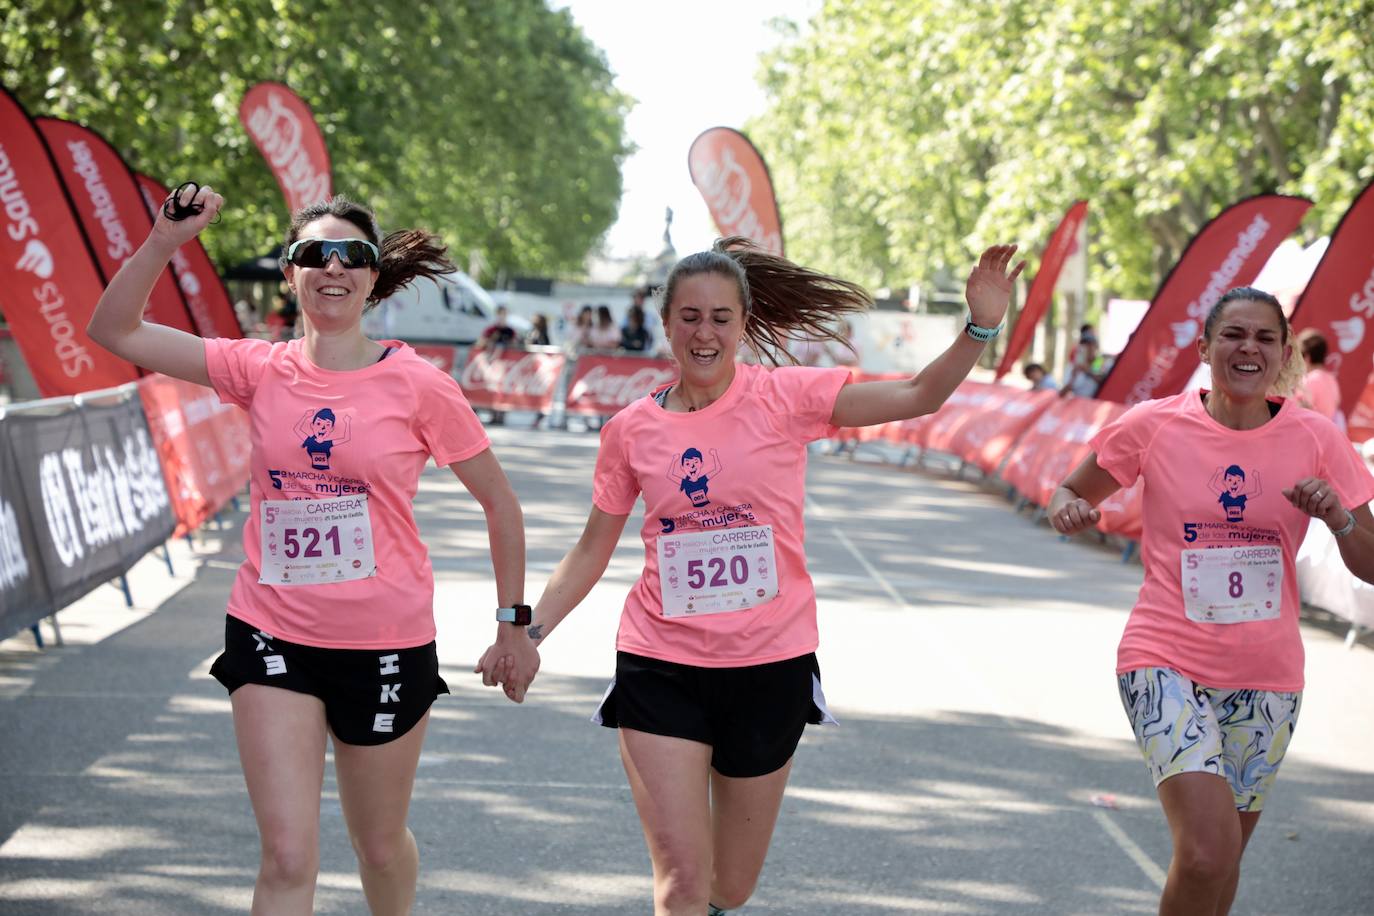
752,717
370,696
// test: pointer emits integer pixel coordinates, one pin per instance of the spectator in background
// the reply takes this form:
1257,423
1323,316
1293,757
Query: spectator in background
635,336
604,334
281,320
1040,379
497,334
1320,391
1085,372
581,337
538,335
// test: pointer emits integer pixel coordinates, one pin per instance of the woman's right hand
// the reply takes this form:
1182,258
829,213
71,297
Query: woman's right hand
1074,516
175,233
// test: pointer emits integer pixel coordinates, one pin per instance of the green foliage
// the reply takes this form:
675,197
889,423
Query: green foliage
904,135
494,124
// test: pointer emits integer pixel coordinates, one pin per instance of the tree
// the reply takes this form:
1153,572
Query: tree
498,127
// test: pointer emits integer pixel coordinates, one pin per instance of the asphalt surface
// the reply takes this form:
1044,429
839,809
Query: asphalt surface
983,764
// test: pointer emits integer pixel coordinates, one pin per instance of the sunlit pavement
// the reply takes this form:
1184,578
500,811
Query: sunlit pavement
983,764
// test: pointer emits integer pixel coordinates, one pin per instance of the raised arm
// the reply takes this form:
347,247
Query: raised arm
117,323
1072,507
988,292
484,479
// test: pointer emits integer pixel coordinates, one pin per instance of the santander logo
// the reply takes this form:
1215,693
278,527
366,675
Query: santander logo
279,133
1349,333
1185,332
36,259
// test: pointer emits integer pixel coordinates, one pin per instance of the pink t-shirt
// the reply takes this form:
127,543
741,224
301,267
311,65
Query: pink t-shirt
320,434
1208,486
740,462
1322,391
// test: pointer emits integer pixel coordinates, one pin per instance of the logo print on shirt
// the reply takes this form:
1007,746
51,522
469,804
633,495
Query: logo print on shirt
1233,489
686,472
317,428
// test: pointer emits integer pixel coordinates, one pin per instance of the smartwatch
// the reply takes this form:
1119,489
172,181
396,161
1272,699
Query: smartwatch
980,334
520,615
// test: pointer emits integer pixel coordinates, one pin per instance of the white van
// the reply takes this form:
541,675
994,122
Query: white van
452,309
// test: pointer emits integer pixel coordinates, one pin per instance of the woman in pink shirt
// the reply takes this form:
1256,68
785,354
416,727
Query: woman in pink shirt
716,672
330,626
1210,667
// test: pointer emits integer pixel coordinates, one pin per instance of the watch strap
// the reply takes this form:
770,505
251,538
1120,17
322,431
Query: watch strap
519,614
979,333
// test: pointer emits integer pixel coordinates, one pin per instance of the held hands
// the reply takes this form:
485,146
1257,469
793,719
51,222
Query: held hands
176,233
988,291
511,662
1316,498
1074,516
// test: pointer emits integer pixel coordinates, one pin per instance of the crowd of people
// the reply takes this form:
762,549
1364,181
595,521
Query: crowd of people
717,673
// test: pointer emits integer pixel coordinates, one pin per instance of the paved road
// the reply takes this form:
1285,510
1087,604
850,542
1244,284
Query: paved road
967,650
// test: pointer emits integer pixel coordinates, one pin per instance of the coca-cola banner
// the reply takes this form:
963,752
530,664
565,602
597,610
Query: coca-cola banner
284,129
95,488
49,284
733,179
199,458
1229,251
1062,242
1339,299
111,209
509,379
206,298
602,385
24,597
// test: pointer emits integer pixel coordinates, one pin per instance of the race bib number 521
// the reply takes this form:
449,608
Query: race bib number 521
713,572
316,541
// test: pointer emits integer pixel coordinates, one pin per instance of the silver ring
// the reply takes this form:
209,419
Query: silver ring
1319,495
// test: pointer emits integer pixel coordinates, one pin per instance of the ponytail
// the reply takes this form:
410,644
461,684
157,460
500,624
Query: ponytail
783,302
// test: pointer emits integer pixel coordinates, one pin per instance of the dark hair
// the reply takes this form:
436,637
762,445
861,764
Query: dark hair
690,453
1032,367
1235,470
406,253
1248,293
324,413
1313,346
782,301
603,315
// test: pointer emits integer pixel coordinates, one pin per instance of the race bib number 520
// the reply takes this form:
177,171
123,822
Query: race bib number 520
316,541
713,572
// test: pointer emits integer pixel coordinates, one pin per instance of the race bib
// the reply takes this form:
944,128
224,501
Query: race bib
1233,584
713,572
316,541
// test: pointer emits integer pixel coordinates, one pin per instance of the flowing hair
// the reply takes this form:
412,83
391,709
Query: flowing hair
783,302
405,254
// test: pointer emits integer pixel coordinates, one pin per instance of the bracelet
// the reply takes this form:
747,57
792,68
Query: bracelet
1349,525
980,334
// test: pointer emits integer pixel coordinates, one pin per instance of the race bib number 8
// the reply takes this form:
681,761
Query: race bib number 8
316,541
1232,584
714,572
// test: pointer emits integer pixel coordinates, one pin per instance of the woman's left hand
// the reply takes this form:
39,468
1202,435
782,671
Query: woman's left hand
1315,497
988,291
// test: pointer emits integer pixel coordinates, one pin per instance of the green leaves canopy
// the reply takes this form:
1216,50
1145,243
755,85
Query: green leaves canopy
494,124
904,135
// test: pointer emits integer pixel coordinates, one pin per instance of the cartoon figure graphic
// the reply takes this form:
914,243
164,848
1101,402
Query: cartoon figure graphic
672,576
1192,586
690,479
763,567
272,543
358,538
1233,490
316,429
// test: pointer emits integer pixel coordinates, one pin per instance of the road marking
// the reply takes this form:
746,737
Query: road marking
1128,846
863,561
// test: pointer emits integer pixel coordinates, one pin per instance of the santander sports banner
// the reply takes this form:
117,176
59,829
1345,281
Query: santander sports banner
511,379
1229,251
1339,300
284,129
206,298
734,180
1062,242
110,207
49,283
602,385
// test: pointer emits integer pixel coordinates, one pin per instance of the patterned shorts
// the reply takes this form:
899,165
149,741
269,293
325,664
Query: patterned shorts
1182,727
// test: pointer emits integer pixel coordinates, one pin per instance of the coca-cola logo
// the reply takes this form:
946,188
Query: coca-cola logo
725,185
532,374
604,385
280,135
